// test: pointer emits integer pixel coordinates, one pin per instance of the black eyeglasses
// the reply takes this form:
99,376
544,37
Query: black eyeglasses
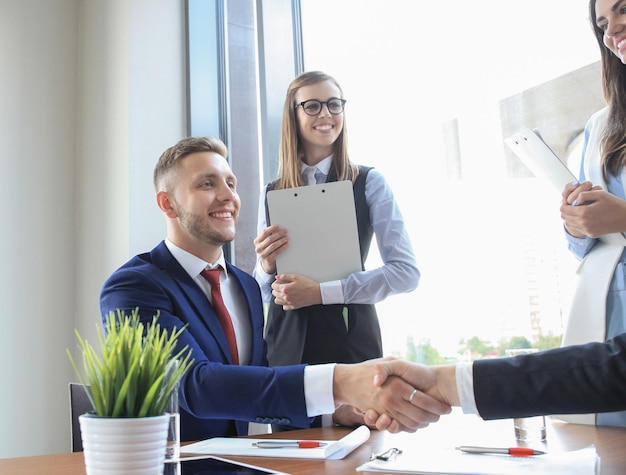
314,107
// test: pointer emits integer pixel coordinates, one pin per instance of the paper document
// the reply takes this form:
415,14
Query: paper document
453,462
334,449
322,227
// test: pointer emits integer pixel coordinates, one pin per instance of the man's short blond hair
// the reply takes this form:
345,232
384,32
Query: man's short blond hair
173,155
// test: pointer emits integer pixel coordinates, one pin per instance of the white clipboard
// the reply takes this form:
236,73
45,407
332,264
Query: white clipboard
322,227
539,158
543,162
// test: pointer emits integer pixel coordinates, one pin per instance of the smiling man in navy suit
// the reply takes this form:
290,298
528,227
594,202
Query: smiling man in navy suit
229,386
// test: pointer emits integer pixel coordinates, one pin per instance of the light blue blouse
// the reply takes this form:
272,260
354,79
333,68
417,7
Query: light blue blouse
399,272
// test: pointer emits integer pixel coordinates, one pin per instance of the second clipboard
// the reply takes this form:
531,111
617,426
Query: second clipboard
540,159
322,226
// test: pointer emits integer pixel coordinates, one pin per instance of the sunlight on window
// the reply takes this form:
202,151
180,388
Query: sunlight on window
425,84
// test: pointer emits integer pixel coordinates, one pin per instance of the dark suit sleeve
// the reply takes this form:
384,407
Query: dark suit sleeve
572,380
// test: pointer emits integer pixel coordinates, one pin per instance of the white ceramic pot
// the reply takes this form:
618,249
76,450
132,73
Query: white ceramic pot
128,446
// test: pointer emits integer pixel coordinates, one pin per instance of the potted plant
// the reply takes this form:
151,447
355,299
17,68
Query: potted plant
129,382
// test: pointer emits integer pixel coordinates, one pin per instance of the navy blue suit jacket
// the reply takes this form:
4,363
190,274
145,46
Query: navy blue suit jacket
578,379
215,395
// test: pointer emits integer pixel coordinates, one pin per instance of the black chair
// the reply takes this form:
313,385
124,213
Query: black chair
79,404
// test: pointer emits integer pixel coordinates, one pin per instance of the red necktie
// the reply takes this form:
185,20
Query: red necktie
213,276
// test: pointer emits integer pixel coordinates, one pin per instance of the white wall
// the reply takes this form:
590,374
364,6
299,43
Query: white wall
91,92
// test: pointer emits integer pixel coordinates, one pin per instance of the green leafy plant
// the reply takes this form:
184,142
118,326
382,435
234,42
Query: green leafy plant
136,371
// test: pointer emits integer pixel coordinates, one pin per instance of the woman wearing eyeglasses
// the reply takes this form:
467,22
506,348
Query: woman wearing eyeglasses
320,322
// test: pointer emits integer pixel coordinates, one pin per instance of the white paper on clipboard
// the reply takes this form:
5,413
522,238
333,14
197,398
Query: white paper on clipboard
540,159
322,227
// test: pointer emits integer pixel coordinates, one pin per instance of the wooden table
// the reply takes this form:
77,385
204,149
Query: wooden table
452,430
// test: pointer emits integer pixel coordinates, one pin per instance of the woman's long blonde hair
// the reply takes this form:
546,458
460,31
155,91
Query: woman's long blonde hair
289,172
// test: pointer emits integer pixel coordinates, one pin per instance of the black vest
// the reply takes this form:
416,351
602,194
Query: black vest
318,334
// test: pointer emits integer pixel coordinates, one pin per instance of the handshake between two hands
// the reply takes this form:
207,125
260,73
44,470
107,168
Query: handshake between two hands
396,395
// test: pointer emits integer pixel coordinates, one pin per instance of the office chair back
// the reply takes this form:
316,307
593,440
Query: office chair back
79,404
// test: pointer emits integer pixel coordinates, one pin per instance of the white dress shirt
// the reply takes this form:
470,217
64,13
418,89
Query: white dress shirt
465,384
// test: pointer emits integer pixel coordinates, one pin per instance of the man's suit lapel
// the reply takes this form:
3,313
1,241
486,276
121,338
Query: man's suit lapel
204,313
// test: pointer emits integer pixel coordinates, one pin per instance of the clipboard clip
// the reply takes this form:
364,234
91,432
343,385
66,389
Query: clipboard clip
386,455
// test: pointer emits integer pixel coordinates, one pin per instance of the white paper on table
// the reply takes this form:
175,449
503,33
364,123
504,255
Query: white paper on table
335,449
454,462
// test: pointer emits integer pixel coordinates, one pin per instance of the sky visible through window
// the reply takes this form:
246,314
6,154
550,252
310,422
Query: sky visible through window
407,68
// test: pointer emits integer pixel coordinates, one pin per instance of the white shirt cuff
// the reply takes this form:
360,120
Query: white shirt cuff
327,420
264,276
332,292
318,389
465,385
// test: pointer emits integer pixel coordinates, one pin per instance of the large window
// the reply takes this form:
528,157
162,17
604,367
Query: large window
432,89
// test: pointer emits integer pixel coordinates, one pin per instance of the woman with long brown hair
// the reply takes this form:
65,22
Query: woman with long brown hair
336,321
594,208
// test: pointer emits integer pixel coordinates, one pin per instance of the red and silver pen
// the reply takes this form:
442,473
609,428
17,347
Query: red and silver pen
515,451
283,444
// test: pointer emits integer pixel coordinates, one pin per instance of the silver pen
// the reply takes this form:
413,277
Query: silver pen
515,451
283,444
